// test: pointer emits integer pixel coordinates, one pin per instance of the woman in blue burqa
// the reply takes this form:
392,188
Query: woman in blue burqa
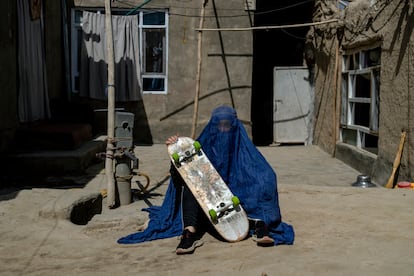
249,176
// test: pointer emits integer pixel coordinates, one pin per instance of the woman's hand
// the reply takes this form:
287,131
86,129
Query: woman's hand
172,140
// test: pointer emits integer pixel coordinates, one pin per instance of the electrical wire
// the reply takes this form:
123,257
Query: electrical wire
292,35
154,6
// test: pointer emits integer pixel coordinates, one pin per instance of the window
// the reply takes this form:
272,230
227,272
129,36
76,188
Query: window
360,99
153,47
153,51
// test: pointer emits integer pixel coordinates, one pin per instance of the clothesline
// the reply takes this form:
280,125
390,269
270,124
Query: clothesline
269,27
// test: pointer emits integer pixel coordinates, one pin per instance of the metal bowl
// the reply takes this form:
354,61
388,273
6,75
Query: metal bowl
363,181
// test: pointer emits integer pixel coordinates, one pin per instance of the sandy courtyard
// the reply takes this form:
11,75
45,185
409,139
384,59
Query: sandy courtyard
340,230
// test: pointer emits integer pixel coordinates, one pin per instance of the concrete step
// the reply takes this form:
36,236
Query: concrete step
54,162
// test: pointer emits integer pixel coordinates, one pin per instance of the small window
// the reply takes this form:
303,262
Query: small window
154,52
360,99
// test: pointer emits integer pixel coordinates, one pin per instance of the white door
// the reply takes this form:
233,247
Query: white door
293,99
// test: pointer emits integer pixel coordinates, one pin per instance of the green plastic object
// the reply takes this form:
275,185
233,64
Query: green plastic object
213,214
197,145
176,157
236,201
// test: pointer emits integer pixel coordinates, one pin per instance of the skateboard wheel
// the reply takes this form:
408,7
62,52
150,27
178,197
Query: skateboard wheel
213,214
236,201
176,158
197,145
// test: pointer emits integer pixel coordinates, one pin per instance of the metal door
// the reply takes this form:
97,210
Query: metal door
293,99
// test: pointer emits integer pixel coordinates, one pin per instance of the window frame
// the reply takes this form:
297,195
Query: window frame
145,75
356,129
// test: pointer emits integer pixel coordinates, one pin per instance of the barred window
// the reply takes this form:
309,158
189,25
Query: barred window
360,99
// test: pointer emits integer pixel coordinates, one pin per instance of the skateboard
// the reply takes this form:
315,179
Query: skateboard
220,205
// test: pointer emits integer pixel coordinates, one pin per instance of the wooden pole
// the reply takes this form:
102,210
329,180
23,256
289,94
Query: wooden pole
198,73
337,78
397,161
109,163
336,118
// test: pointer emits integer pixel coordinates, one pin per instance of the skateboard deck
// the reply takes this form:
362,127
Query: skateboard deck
220,205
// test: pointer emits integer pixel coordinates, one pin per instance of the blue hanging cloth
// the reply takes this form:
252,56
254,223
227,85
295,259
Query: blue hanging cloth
247,173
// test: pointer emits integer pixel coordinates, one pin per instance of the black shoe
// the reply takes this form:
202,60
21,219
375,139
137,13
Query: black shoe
189,242
261,234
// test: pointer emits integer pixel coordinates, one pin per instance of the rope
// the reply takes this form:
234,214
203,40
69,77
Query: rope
268,27
137,7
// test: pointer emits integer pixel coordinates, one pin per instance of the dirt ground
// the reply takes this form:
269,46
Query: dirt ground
340,229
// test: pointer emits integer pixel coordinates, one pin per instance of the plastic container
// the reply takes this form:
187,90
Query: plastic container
405,185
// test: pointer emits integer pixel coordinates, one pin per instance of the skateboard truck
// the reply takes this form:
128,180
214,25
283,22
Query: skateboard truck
188,154
223,209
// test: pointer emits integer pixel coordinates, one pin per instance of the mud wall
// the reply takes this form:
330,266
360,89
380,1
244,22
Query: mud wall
362,25
226,68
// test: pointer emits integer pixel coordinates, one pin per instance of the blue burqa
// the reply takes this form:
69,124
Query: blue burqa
226,143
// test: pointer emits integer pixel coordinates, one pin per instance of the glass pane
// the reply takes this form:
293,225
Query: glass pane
363,60
374,57
361,114
78,17
154,40
154,18
371,143
363,86
356,61
153,84
351,62
349,136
